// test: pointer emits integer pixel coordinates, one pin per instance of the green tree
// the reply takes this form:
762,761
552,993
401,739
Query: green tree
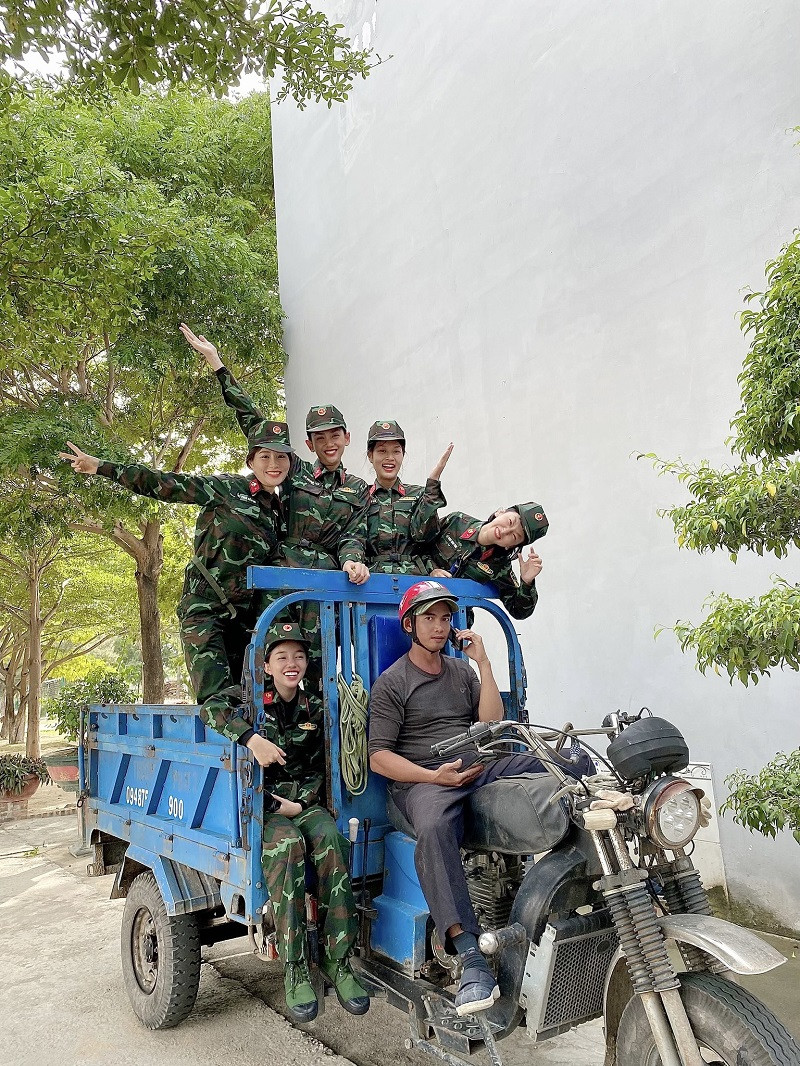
118,219
130,43
754,506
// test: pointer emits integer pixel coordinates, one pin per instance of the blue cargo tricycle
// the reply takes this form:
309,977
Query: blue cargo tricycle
579,885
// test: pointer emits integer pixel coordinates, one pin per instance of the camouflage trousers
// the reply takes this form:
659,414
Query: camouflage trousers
287,842
214,646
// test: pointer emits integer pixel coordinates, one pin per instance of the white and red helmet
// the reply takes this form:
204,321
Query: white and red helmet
424,593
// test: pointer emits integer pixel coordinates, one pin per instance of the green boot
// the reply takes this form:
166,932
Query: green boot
300,997
349,992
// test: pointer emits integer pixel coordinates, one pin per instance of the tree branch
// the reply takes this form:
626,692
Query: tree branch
189,443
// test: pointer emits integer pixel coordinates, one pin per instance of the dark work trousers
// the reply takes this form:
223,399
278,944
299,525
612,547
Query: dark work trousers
437,815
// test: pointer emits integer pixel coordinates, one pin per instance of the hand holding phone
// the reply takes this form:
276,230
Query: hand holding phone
455,641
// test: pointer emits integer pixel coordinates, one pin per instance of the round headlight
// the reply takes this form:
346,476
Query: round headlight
672,812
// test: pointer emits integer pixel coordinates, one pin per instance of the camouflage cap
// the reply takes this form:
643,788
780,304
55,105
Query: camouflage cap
326,416
534,520
272,435
387,430
283,631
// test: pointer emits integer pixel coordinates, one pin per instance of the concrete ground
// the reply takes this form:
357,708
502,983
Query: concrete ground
64,1003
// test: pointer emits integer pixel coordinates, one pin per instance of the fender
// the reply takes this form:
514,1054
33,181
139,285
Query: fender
183,889
737,949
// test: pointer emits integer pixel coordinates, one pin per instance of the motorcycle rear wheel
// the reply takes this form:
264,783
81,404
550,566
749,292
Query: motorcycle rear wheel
732,1027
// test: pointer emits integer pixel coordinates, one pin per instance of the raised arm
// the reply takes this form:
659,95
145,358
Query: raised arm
247,414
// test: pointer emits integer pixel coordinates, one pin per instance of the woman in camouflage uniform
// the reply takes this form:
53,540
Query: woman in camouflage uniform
297,825
239,525
324,506
484,551
401,519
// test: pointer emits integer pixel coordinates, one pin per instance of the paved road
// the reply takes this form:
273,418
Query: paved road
64,1003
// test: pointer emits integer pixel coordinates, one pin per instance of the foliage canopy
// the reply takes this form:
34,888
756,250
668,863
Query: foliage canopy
130,43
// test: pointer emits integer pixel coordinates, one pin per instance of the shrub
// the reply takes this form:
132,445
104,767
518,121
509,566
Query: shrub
100,685
768,801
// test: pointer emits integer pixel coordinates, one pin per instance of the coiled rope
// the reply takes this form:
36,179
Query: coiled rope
353,758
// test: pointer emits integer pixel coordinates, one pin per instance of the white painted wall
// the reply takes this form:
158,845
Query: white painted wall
530,232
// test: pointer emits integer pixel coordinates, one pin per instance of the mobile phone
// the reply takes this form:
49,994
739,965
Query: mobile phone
458,644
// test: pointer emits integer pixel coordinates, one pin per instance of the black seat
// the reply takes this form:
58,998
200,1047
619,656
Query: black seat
512,815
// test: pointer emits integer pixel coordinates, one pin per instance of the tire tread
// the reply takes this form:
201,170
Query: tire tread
773,1033
181,954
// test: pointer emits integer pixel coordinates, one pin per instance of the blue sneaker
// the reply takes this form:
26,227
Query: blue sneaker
478,989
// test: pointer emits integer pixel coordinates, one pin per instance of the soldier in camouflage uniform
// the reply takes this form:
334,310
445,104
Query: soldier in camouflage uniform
401,519
296,825
239,525
484,551
325,507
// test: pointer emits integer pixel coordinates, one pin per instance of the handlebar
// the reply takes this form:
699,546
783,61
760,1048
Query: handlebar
479,731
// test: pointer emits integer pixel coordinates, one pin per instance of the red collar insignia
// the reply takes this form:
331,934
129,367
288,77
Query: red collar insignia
269,697
487,554
468,533
320,471
255,486
398,487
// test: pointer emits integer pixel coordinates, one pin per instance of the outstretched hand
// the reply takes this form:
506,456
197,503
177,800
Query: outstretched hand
82,462
438,470
203,346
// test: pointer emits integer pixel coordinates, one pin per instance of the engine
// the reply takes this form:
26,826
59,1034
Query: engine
493,880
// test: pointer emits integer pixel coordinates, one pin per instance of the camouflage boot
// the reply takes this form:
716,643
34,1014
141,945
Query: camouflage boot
352,996
300,997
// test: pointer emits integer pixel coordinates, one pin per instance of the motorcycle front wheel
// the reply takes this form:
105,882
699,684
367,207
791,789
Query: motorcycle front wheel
731,1026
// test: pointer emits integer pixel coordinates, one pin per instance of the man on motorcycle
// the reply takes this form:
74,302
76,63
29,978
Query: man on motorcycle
423,698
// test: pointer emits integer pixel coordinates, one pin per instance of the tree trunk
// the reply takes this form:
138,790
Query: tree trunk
16,729
12,731
149,564
32,744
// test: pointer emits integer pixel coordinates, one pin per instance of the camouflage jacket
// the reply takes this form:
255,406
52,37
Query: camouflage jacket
326,510
299,729
238,526
401,523
457,550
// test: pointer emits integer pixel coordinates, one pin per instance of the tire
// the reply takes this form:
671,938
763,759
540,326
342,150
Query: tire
732,1027
160,957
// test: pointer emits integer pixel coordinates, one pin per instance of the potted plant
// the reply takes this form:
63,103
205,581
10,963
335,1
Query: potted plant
21,776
